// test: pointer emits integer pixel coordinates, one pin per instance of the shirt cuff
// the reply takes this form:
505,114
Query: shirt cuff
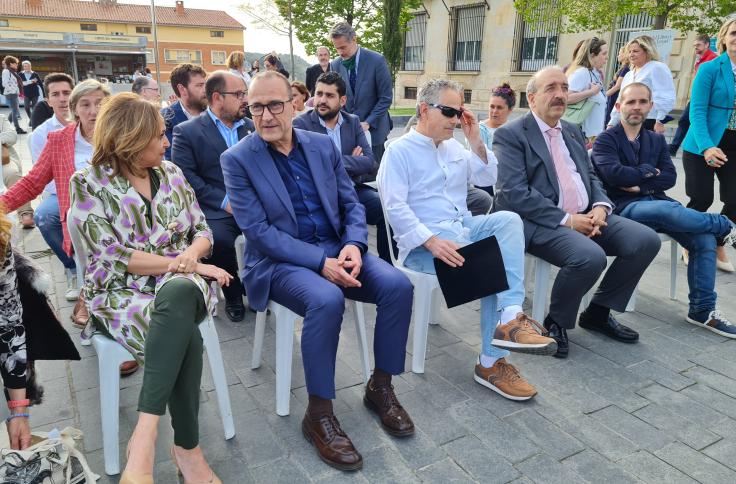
607,206
225,201
565,219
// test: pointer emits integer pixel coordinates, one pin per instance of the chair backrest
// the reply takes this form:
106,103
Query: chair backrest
394,261
80,253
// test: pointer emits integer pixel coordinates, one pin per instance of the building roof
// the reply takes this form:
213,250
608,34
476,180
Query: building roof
112,11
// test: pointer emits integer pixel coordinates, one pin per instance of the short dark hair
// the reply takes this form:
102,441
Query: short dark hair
139,84
333,79
9,59
505,92
182,74
626,89
56,77
217,82
703,38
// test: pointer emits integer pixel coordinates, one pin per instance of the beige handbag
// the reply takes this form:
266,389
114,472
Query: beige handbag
6,155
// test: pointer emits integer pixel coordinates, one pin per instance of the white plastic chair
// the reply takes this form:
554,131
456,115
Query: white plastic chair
541,284
285,320
426,302
110,355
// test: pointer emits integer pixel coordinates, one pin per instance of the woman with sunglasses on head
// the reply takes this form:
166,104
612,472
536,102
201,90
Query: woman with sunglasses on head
586,84
709,148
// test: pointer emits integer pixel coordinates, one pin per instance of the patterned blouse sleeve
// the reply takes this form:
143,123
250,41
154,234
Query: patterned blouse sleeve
13,362
88,214
199,227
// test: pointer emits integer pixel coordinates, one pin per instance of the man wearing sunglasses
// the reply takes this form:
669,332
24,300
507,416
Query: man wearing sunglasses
423,182
196,149
306,249
546,177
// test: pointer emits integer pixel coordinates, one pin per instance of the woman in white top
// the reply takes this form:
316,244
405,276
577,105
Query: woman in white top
646,68
584,80
236,63
503,100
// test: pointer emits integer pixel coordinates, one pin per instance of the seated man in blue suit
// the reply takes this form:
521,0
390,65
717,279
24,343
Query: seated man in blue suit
198,144
306,250
345,131
636,169
187,81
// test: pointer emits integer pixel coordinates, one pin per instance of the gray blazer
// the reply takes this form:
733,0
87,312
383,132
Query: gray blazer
373,92
527,179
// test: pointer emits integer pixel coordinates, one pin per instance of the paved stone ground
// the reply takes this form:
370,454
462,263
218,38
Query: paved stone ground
660,411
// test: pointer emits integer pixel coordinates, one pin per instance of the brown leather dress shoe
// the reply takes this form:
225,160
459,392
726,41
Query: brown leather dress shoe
331,443
382,400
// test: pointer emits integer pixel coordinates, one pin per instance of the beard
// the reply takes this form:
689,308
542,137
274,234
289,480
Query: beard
329,115
198,104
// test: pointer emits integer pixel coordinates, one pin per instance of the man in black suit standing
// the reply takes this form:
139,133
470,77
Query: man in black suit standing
198,144
323,56
346,132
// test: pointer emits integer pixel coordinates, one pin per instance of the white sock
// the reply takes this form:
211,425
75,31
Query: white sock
488,361
509,313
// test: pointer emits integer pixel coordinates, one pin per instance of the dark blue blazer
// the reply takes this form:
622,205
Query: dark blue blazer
196,149
265,214
373,92
173,115
360,168
618,166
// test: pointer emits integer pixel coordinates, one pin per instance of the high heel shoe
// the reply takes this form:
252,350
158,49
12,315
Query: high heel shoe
132,478
213,480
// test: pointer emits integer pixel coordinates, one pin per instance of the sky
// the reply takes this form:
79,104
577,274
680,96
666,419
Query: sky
256,39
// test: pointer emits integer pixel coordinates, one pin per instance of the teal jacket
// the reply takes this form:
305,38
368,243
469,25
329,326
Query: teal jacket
711,105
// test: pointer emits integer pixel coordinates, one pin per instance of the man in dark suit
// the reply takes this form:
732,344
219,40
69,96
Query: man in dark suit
636,168
368,81
187,81
545,176
198,144
345,131
323,56
306,250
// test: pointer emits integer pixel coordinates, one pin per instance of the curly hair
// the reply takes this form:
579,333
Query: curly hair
505,92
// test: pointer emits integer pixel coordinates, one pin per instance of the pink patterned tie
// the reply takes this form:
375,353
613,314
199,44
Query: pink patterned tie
570,200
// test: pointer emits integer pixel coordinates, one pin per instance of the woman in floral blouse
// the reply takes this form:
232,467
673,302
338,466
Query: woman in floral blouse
145,287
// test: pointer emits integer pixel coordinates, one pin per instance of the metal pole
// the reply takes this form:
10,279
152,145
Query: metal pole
155,44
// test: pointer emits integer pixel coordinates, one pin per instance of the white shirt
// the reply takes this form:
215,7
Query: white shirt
424,187
37,141
82,151
657,76
580,80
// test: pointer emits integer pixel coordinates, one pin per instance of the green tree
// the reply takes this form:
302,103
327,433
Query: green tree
392,38
583,15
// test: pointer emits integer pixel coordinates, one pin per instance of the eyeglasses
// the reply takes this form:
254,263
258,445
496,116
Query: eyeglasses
238,94
274,107
447,111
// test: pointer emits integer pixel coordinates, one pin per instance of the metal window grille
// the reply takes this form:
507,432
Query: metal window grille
88,27
414,39
466,37
142,30
467,96
535,44
4,23
217,33
410,92
624,26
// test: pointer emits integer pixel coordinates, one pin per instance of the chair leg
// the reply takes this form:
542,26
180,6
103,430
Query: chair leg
359,318
435,311
284,351
258,339
541,287
217,368
109,410
673,268
422,309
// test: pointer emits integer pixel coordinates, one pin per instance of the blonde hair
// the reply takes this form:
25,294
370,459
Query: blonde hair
125,126
6,227
235,60
721,37
85,87
589,48
647,45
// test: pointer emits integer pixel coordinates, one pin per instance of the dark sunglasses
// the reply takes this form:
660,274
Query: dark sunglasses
447,111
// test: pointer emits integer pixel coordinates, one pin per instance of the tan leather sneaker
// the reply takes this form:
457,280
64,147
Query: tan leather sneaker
524,335
504,379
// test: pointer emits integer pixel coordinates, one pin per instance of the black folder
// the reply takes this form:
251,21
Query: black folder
482,274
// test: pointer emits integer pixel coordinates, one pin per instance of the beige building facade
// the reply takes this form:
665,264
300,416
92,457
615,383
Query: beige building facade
481,45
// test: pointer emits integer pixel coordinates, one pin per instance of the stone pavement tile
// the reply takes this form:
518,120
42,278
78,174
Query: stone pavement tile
650,345
725,350
480,461
724,451
438,423
226,458
490,400
441,337
281,471
435,388
443,471
691,335
494,432
51,370
418,450
632,428
662,375
712,399
385,465
256,439
85,374
680,404
604,367
653,470
596,468
57,403
364,429
462,351
521,480
599,437
343,478
545,434
687,431
696,465
544,469
716,364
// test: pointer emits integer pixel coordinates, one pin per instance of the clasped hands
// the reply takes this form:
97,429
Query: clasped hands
344,270
188,262
591,223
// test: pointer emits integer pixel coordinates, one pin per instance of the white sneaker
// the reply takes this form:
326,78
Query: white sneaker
72,289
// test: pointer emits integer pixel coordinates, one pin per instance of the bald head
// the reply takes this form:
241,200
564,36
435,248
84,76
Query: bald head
271,76
547,94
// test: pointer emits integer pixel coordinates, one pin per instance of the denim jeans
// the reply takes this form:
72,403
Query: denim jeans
48,222
696,232
509,230
14,109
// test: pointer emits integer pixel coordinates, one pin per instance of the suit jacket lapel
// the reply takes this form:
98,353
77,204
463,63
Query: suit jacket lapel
314,120
265,163
727,73
579,157
347,139
625,146
244,130
212,133
537,143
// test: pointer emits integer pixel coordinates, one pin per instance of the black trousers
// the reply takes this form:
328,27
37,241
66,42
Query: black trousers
225,231
699,178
